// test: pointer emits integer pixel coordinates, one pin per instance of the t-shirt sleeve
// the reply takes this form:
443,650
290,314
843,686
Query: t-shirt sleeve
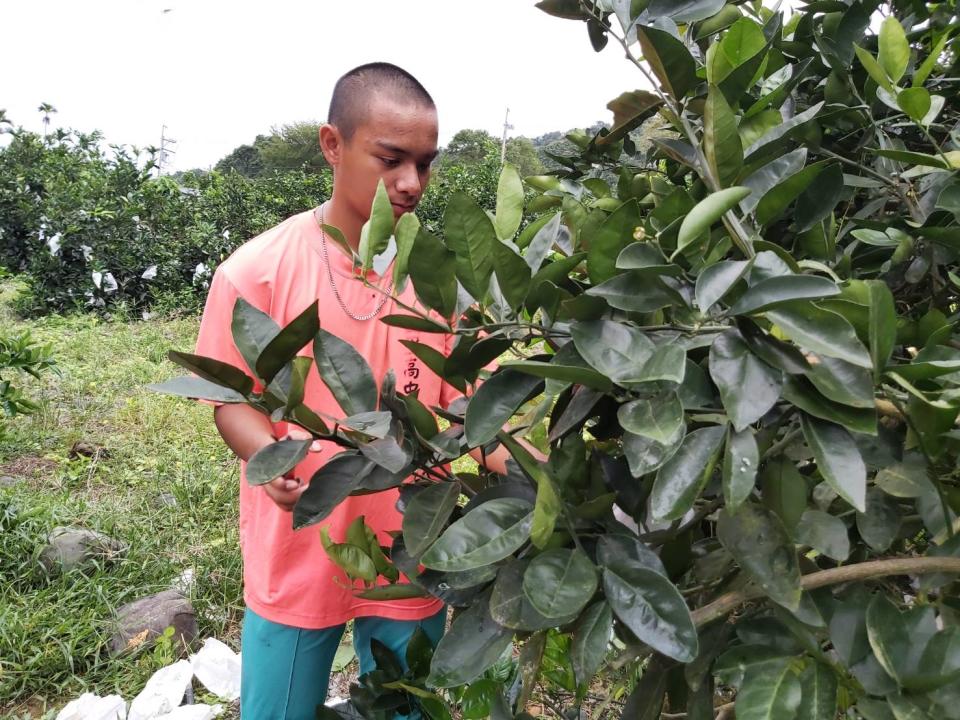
215,339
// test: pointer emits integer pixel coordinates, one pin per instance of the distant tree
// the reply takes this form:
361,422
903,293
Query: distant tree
245,159
47,109
292,147
469,147
522,154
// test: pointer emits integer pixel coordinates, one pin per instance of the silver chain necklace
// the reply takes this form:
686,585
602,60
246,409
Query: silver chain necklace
333,283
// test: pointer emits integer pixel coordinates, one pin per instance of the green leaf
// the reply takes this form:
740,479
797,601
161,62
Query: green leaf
684,11
721,143
299,370
775,202
630,109
783,129
197,388
838,459
907,479
473,643
879,526
345,372
566,373
669,59
876,73
509,605
407,229
760,544
543,240
748,386
486,534
252,331
804,396
614,235
432,268
842,382
770,691
821,331
636,291
426,514
471,235
560,582
775,291
513,274
740,463
913,158
819,199
716,280
894,55
413,322
915,102
904,708
770,176
645,455
495,402
548,505
681,479
591,638
706,212
436,361
350,558
276,460
784,490
509,211
659,418
219,373
285,345
654,610
329,486
824,533
376,231
819,693
614,349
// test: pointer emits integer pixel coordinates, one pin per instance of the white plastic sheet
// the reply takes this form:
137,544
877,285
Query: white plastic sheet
193,712
217,667
163,692
93,707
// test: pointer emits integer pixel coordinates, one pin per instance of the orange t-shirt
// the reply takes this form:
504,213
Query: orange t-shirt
288,577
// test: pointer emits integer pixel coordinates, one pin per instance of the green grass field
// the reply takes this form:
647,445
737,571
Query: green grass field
53,631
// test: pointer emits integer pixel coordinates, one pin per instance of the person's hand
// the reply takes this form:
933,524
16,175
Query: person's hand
286,490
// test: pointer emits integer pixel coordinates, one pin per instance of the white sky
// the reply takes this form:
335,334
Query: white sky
218,73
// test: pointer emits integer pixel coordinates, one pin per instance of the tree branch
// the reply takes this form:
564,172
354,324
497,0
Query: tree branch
725,604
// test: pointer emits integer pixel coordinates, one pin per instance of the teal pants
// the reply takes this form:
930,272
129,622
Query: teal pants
286,670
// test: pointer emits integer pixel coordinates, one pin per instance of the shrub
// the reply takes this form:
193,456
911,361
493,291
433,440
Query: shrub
741,360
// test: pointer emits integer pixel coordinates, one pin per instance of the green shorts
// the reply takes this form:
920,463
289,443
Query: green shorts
286,670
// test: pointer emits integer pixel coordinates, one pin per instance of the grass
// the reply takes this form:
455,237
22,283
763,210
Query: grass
54,630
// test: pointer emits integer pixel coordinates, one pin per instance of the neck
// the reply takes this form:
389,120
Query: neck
336,213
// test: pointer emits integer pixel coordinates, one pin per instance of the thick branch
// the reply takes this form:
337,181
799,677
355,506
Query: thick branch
725,604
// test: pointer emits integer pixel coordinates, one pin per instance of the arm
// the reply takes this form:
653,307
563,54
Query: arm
245,431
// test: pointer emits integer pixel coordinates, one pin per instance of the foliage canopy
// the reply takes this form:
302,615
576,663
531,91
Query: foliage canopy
738,350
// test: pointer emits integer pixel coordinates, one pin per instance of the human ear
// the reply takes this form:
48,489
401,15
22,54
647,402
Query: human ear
331,144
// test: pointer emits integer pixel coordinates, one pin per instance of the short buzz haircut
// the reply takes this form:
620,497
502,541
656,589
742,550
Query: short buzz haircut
354,91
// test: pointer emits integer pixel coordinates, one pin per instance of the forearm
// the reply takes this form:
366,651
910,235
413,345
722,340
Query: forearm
244,429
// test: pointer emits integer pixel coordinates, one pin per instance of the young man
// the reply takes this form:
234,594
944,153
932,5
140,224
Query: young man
382,125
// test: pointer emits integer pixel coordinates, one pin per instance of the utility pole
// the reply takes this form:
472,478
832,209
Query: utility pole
503,142
165,150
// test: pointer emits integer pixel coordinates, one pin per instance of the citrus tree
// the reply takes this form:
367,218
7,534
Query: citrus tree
738,353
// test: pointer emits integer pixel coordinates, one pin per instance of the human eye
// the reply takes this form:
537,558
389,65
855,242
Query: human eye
390,162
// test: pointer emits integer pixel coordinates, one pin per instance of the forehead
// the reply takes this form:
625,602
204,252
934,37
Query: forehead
399,122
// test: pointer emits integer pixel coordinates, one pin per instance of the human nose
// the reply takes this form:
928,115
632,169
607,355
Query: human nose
408,182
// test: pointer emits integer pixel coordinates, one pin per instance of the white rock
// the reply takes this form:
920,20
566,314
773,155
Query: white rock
93,707
163,692
217,667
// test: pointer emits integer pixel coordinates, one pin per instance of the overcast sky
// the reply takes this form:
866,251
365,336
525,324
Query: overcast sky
218,73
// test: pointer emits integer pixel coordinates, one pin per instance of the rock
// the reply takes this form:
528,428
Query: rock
7,481
87,449
142,620
69,548
166,499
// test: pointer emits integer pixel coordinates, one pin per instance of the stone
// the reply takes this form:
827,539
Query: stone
69,548
141,621
9,481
